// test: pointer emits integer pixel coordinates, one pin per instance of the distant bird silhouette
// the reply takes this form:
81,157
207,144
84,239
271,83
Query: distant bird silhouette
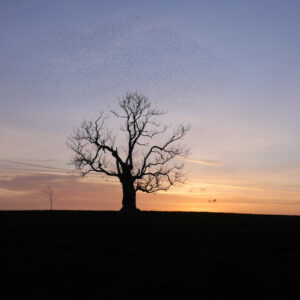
214,200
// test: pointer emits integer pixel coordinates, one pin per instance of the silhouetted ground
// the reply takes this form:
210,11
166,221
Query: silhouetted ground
152,255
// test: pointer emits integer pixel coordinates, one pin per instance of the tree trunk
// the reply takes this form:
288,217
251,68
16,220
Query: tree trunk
129,196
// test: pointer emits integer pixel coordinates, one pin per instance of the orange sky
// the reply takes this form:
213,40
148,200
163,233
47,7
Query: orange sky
25,190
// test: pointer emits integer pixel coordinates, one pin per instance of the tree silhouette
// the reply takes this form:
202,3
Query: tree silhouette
141,165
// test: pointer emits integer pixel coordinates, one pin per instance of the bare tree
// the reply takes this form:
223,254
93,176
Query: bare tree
141,165
49,191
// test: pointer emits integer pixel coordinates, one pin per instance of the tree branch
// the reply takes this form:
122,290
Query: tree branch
151,168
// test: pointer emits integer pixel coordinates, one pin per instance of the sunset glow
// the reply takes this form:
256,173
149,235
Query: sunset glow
230,70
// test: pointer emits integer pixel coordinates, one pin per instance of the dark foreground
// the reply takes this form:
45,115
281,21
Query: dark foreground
104,255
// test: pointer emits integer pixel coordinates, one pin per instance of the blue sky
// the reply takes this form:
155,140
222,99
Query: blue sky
229,68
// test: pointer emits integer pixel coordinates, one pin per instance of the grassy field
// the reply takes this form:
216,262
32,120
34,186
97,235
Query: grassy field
152,255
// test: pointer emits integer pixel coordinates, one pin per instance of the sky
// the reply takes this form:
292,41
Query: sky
230,69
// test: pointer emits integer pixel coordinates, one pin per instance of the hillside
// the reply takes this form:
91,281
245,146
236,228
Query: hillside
152,255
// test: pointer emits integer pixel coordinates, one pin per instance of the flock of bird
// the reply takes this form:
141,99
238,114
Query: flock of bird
119,55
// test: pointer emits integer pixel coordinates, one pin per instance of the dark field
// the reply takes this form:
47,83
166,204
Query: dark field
152,255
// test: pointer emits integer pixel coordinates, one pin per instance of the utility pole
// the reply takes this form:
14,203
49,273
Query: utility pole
49,191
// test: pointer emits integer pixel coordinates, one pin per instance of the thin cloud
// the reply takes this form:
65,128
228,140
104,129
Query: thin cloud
16,170
17,163
12,168
276,188
31,182
206,162
26,192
